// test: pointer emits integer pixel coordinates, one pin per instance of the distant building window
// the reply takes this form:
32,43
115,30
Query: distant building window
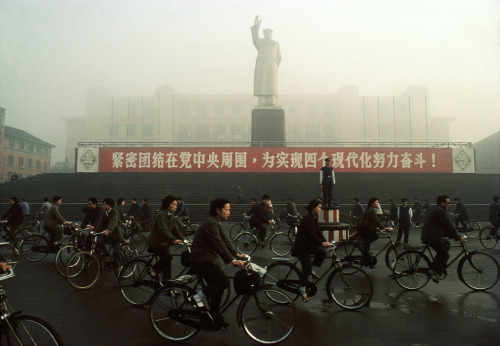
12,142
38,165
21,145
38,149
45,167
10,160
147,130
20,162
131,131
46,151
30,163
30,148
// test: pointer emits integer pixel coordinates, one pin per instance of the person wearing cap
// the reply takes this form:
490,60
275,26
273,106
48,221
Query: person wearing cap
327,180
404,220
165,232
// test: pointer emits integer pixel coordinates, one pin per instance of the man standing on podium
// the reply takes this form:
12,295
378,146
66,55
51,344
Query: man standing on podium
327,180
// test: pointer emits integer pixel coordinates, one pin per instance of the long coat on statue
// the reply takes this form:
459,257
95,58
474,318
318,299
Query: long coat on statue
266,66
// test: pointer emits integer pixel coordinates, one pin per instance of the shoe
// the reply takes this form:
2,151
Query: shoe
304,297
152,273
433,275
263,245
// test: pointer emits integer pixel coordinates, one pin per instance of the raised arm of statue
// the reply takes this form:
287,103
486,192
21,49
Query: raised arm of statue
257,21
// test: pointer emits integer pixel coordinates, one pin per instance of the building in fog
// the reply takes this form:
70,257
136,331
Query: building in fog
21,152
336,119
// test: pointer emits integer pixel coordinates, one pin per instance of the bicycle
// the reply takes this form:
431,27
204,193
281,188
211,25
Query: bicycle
134,237
18,329
9,254
137,285
477,270
266,315
77,242
348,286
240,227
189,229
353,251
36,247
489,236
280,243
471,228
84,267
19,234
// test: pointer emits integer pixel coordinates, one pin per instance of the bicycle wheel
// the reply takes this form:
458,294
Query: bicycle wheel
34,247
9,255
29,330
283,275
190,231
264,319
488,237
479,271
246,243
473,229
136,285
392,252
129,253
236,229
410,270
349,287
350,252
83,270
138,241
281,244
62,257
164,301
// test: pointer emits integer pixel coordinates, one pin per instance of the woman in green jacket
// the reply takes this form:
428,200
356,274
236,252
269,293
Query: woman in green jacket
164,233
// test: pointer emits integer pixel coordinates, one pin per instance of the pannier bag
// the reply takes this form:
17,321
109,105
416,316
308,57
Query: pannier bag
246,282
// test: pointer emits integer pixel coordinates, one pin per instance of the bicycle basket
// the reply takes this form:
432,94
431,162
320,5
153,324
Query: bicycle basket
246,282
67,230
81,239
185,259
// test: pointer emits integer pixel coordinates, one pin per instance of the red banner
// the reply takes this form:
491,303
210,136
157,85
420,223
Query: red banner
283,160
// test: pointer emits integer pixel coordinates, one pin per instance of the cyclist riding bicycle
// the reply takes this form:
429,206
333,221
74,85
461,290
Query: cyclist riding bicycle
13,218
209,244
437,226
165,232
309,241
370,224
52,221
494,212
113,232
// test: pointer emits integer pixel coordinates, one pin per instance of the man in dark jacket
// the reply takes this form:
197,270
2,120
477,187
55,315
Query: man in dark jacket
261,217
209,244
436,227
461,214
113,231
327,181
93,214
13,219
494,212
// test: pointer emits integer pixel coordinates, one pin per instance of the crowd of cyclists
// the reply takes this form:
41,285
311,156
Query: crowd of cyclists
211,245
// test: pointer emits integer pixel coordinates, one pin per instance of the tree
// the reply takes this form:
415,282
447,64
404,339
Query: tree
62,167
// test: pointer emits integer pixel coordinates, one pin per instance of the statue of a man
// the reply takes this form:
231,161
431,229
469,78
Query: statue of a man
266,67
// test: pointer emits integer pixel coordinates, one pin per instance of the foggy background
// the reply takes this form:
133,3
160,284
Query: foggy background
52,51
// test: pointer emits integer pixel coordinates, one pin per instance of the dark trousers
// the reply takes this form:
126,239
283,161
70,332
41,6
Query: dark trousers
165,261
55,233
462,221
403,228
307,263
327,194
261,231
217,282
11,232
115,244
441,257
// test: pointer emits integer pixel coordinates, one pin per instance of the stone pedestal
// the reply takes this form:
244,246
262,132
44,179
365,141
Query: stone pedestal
268,127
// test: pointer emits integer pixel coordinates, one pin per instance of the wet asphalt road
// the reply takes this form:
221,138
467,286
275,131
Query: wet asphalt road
447,313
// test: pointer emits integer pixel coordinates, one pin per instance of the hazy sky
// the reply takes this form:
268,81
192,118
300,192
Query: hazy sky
51,51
